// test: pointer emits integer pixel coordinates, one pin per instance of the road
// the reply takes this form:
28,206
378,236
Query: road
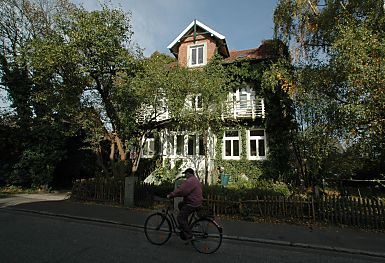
29,237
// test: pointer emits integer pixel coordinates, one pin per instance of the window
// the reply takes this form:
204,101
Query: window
194,101
257,144
180,144
197,55
199,102
149,148
186,145
231,145
201,146
243,101
192,145
170,144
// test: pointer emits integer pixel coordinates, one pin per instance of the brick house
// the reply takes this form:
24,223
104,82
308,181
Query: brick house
193,48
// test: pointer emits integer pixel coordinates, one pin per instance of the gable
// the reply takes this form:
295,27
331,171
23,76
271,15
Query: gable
196,31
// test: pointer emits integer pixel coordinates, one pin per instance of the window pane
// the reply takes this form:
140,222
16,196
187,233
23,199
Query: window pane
170,145
191,145
145,149
199,101
228,148
192,101
235,148
253,148
201,146
261,147
180,145
200,55
151,148
243,101
257,133
193,56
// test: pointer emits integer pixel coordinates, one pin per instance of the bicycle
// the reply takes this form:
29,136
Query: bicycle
207,233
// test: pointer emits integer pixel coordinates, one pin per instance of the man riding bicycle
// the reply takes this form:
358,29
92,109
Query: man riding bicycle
191,191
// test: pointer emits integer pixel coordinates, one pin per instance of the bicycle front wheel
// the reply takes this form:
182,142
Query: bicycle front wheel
207,236
157,229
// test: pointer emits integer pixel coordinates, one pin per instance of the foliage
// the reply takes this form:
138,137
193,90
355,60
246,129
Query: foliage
145,93
37,130
164,174
249,191
59,65
83,58
337,50
195,99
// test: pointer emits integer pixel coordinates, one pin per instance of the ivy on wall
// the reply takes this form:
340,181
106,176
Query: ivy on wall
238,169
263,76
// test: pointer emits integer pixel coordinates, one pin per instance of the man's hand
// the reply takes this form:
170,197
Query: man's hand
169,196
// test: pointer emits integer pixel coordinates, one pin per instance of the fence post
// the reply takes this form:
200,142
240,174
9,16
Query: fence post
129,186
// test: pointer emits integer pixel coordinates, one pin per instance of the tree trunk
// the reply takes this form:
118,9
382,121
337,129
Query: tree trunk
136,158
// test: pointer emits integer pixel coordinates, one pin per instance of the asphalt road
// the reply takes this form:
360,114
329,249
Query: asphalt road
27,237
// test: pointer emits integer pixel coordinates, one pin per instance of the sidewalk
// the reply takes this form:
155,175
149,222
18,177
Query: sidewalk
327,238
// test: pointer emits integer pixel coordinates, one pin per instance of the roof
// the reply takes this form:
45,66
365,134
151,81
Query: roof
268,49
220,38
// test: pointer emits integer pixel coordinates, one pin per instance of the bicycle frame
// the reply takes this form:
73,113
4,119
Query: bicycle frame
174,223
207,233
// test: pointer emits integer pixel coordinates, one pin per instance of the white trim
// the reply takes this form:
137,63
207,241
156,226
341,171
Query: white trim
213,32
148,150
189,48
231,139
257,138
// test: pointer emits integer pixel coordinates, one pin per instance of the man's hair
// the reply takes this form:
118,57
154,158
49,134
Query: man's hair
189,171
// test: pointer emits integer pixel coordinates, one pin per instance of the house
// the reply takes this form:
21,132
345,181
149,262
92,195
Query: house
193,48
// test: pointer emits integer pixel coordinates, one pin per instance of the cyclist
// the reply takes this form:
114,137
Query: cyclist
191,191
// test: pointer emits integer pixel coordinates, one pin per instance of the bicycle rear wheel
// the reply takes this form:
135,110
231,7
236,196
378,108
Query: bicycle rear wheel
207,236
157,228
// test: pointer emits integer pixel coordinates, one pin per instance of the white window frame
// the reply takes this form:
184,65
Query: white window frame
148,150
194,145
170,144
232,139
183,153
247,91
189,54
257,138
194,102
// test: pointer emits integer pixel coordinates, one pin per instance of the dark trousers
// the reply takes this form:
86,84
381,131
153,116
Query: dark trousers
184,212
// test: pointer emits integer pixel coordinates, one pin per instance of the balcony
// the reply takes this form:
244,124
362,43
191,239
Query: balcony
148,115
244,109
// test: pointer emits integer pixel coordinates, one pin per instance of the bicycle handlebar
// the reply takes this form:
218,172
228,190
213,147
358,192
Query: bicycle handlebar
179,177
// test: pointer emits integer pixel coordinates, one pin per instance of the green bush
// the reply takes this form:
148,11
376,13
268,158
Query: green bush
248,189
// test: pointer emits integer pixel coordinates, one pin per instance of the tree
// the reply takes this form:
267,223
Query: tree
32,124
338,48
196,100
84,56
146,93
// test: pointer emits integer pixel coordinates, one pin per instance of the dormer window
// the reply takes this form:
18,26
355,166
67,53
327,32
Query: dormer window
197,55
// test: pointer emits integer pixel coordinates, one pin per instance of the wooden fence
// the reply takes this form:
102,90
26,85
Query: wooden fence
358,212
100,189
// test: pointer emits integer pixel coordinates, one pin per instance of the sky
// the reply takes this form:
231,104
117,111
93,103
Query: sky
156,23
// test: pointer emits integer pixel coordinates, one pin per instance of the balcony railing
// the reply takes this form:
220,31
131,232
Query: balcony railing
147,115
244,109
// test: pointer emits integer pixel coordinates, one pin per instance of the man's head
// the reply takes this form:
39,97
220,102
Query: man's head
189,172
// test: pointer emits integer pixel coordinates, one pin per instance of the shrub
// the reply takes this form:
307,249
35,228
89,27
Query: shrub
248,189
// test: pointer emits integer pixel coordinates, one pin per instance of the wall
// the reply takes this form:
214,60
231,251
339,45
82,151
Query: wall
183,48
